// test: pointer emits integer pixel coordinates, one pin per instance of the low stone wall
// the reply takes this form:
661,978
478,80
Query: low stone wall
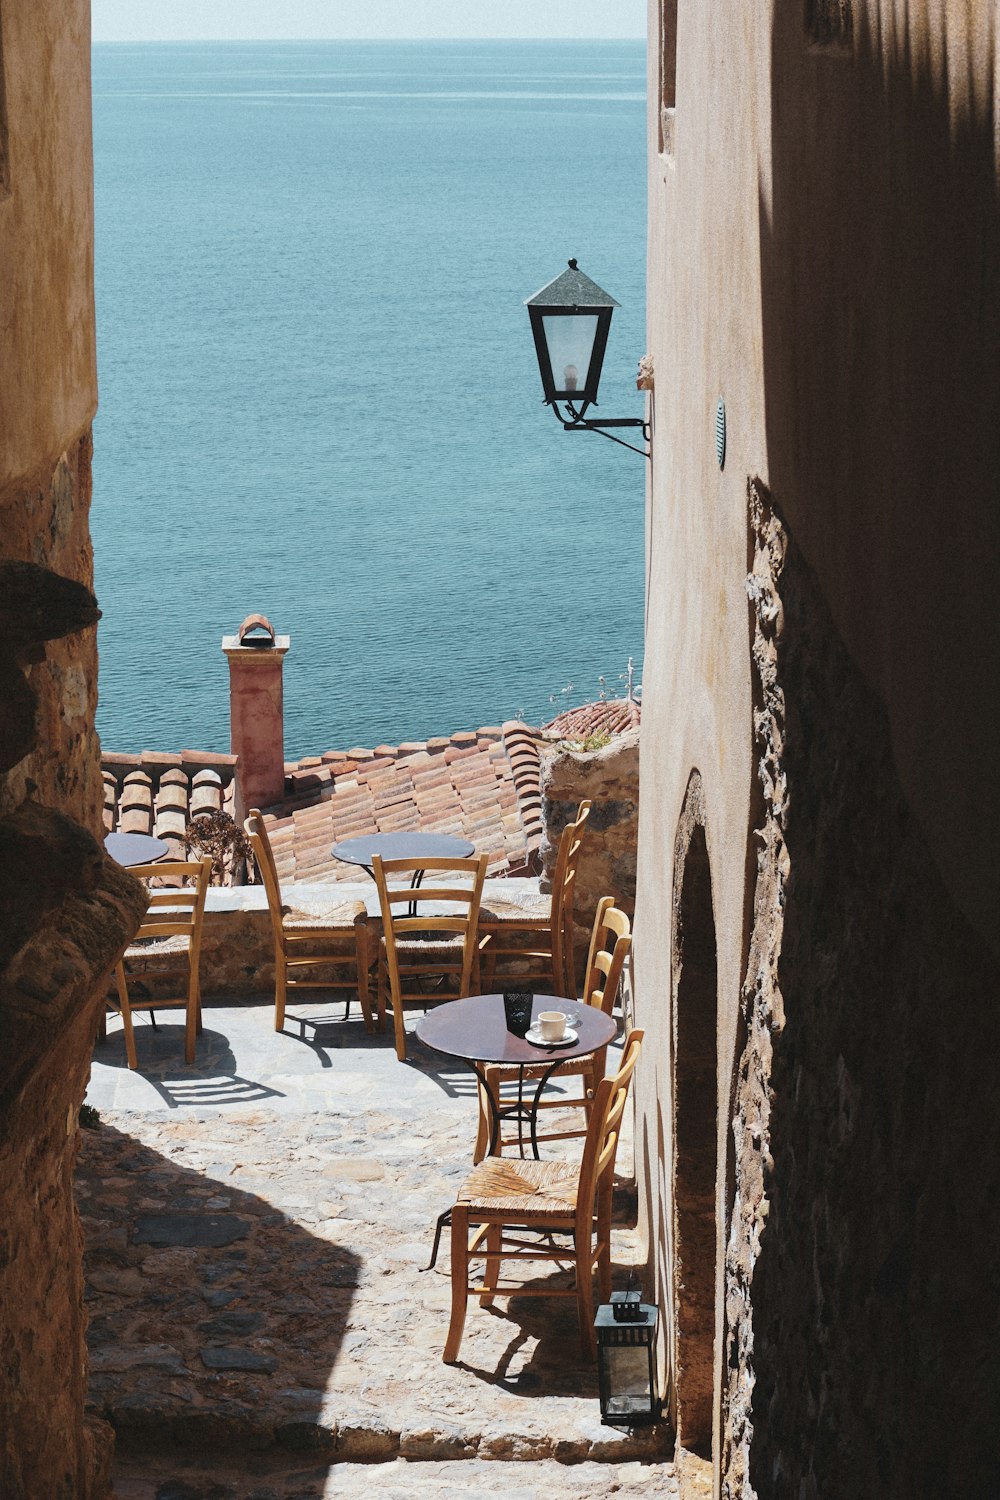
610,778
237,945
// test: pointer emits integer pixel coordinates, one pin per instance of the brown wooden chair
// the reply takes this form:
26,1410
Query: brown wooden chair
426,955
337,940
516,1210
532,941
610,942
174,914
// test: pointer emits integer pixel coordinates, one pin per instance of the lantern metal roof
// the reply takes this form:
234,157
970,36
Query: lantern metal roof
572,289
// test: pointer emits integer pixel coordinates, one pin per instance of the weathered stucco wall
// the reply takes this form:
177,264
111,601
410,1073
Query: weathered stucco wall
66,911
824,254
610,778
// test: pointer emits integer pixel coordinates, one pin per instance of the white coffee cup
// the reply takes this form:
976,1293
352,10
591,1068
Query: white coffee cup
552,1025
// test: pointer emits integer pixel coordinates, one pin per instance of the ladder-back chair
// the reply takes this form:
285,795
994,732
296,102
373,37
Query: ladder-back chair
533,943
610,943
426,954
336,941
515,1210
174,914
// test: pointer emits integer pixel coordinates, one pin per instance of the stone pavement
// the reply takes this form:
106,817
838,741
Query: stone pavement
402,1479
254,1227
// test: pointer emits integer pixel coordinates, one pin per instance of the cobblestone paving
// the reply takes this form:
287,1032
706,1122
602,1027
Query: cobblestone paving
253,1229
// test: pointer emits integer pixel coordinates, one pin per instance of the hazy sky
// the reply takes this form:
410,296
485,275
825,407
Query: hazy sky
214,20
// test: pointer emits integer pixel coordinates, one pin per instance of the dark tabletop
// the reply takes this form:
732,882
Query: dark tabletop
134,848
476,1029
402,846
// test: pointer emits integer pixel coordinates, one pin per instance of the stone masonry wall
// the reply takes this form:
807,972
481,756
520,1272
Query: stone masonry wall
66,911
861,1348
610,778
46,522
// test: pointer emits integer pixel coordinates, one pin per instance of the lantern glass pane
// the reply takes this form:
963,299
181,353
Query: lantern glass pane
570,342
628,1379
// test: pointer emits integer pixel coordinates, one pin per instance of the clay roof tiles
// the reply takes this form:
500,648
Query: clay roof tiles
482,785
609,716
158,793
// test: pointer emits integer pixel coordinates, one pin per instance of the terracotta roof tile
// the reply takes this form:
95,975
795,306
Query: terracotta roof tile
480,784
158,793
610,716
470,784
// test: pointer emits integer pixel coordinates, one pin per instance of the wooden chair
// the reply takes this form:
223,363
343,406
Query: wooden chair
338,939
174,913
424,947
610,942
504,1201
533,942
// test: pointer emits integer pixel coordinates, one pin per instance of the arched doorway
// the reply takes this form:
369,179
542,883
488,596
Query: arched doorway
695,1098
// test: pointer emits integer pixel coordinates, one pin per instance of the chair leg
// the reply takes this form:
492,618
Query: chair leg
590,1081
483,1128
400,1031
192,1026
361,951
491,1275
126,1010
380,996
459,1280
585,1299
493,1083
280,988
604,1244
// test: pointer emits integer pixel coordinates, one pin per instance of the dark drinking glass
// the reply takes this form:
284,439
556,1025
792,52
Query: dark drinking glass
517,1009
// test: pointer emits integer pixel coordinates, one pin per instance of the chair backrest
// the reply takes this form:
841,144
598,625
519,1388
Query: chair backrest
563,889
603,1131
567,859
462,890
256,831
610,942
177,910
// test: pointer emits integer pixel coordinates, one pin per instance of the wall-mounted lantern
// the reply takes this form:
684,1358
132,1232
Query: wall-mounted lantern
570,320
626,1361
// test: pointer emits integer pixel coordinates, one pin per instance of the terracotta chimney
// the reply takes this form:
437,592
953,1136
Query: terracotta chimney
256,656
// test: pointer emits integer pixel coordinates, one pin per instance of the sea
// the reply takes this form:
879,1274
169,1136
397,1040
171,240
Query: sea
319,398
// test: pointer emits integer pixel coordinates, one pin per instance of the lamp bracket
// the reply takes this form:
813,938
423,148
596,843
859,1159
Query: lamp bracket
578,422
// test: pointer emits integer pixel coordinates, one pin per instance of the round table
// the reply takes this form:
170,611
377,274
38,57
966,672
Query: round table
476,1031
130,849
361,851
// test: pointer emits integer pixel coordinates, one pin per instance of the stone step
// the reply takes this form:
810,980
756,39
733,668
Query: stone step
161,1478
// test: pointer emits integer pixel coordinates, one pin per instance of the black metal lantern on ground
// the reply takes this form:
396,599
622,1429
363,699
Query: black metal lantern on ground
626,1361
570,320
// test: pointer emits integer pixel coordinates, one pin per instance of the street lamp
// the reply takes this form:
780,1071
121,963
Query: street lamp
570,320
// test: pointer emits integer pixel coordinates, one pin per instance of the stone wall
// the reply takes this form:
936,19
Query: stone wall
610,778
861,1353
45,522
80,909
66,911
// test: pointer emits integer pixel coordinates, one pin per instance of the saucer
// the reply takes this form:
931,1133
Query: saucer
568,1038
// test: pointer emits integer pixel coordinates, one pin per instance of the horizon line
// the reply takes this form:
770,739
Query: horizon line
126,41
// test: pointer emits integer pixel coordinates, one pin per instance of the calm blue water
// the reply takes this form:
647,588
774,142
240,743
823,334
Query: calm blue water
318,392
